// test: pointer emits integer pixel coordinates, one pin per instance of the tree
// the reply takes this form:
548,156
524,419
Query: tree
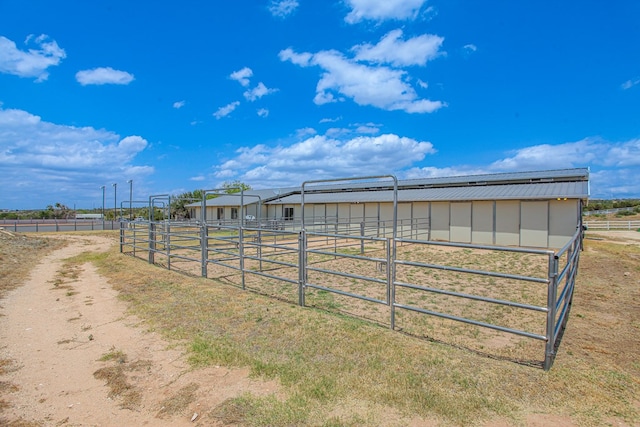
236,186
179,202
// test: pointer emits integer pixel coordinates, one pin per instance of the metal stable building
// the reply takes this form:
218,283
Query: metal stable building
540,209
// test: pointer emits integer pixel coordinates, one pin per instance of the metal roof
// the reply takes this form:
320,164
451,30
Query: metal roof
576,174
570,190
551,184
250,197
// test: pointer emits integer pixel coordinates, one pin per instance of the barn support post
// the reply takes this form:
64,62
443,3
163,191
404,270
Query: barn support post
551,311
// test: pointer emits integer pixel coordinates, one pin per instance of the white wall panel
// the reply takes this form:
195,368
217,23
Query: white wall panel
482,222
461,222
534,224
507,223
440,221
564,218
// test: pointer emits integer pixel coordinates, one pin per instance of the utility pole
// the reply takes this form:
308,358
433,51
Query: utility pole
115,201
103,187
130,182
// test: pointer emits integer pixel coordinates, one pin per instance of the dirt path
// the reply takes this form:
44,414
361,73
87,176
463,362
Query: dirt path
55,330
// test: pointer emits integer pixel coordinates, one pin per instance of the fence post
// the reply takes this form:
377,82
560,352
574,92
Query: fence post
204,242
168,244
152,241
551,311
362,238
121,236
391,277
241,252
302,264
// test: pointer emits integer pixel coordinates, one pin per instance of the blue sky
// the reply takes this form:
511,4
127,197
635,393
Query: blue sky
179,96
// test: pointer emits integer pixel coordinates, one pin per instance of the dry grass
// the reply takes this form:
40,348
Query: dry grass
326,361
115,377
18,254
179,402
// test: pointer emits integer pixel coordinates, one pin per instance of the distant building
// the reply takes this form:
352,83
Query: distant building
88,216
535,209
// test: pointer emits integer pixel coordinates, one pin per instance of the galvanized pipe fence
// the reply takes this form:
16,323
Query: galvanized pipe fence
399,276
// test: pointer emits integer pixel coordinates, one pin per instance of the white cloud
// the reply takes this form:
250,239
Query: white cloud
381,87
179,104
546,156
242,76
614,165
263,112
226,110
102,76
434,172
470,47
258,92
301,59
381,10
197,178
629,84
368,128
322,157
60,162
329,120
391,49
283,8
32,63
305,133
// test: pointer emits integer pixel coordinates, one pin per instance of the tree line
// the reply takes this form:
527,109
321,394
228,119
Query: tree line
178,207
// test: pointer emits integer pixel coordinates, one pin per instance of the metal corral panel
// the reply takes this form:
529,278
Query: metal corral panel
461,222
508,223
563,221
482,222
534,224
440,221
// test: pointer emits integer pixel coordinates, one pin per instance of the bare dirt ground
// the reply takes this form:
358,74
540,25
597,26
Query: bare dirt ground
65,343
